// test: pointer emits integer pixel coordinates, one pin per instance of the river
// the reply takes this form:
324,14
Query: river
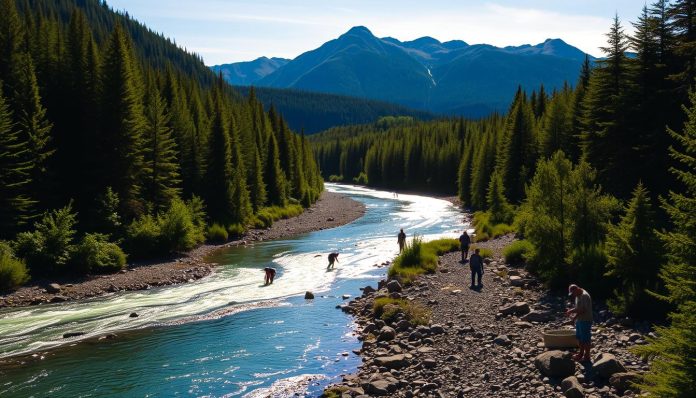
225,335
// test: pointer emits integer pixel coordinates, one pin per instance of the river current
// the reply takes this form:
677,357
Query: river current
225,335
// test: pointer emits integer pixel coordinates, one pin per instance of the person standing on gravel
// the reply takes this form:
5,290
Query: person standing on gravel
401,240
476,266
582,316
464,242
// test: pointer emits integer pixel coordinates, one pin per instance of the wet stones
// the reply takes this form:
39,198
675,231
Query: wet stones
393,361
309,296
386,334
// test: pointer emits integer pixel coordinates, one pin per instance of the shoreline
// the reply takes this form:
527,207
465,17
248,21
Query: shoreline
330,211
484,343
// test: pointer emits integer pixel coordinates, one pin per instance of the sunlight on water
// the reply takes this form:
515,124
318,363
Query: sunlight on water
236,286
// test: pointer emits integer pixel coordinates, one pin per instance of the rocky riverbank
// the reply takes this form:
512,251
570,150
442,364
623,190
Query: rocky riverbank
485,343
331,210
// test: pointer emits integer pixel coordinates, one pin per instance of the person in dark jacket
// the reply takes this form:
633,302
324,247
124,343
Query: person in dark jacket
401,240
464,242
476,266
333,258
270,275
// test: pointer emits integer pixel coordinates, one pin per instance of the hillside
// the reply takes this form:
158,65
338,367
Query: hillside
313,112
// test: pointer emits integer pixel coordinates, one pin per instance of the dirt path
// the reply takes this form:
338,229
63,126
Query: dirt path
331,210
470,349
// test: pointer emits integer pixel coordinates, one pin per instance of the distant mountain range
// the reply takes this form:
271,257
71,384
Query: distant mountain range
451,77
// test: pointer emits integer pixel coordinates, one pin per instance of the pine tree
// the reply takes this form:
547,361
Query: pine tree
633,253
242,209
557,125
160,167
123,124
682,16
498,206
219,191
14,175
673,371
257,187
11,39
274,177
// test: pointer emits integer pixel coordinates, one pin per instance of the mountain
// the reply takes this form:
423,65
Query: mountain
313,112
453,77
247,73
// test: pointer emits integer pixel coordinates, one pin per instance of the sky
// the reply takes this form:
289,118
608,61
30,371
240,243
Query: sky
224,31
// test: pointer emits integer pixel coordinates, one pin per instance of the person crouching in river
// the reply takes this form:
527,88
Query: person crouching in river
333,258
270,275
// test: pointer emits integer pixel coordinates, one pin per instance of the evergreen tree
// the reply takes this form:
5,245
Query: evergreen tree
242,209
274,177
160,167
673,371
257,186
14,175
11,39
633,252
557,125
498,206
219,192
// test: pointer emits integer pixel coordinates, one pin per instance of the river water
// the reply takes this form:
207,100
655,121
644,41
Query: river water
225,335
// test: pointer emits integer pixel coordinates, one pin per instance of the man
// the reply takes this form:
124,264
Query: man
333,258
582,316
464,242
270,275
476,266
401,240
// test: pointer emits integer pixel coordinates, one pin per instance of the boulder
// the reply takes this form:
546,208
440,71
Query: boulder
386,334
309,296
519,308
429,363
368,289
134,315
572,388
623,381
555,363
59,299
516,281
53,288
437,329
403,325
502,340
394,286
538,316
392,362
606,365
377,387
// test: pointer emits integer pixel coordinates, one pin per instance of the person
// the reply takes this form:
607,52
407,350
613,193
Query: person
333,258
582,316
476,266
401,240
464,242
270,275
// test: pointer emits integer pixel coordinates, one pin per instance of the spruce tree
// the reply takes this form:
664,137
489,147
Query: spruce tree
498,206
274,177
242,209
219,191
633,253
257,187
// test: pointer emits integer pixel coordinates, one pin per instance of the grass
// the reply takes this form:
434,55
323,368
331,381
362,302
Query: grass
334,392
485,230
267,215
518,252
420,258
388,309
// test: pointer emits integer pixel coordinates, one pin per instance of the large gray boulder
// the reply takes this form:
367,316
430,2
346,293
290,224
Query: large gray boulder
572,388
623,381
392,362
555,363
393,286
386,334
519,308
606,365
377,387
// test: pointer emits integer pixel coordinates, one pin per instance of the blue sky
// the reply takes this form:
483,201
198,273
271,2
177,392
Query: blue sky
224,31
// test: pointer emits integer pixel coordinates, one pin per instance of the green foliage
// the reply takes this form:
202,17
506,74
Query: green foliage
178,229
13,271
484,252
236,230
420,258
486,230
217,234
143,238
361,179
267,215
95,254
334,392
498,207
335,178
518,252
50,247
387,309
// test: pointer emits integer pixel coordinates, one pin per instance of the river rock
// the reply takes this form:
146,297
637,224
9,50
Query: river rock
386,334
623,381
516,281
502,340
394,286
368,289
309,296
519,308
606,365
572,388
538,316
133,315
555,364
377,387
53,288
59,299
437,329
392,362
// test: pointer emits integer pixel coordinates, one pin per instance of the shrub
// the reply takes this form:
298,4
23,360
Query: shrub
485,253
142,238
50,246
518,252
361,179
236,230
335,178
486,230
96,254
387,309
13,271
217,233
178,232
420,258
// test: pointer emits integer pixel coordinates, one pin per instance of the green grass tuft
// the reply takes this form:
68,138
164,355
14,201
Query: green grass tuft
420,258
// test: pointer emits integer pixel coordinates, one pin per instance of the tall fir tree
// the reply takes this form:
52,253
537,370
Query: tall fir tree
219,192
273,175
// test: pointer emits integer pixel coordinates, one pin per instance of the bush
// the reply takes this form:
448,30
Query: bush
518,252
236,230
142,238
177,228
486,230
267,215
335,178
97,255
50,246
485,253
361,179
217,233
420,258
387,309
13,271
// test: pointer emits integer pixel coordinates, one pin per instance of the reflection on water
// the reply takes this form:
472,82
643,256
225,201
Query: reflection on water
273,334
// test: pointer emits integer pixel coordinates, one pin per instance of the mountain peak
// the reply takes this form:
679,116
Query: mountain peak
358,31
